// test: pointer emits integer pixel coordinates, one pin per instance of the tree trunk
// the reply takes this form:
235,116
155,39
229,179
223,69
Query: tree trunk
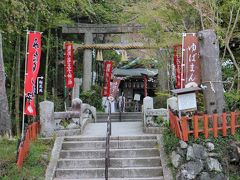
211,72
46,66
13,75
5,122
17,88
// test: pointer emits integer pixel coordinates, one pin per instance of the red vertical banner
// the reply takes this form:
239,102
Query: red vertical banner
114,86
191,60
33,65
69,71
178,64
107,77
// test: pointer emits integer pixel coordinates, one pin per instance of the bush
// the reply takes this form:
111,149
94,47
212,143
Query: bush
93,97
232,99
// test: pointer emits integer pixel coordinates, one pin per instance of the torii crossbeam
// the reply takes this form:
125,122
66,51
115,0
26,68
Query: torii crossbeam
88,30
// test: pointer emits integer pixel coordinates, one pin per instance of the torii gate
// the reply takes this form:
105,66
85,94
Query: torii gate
88,30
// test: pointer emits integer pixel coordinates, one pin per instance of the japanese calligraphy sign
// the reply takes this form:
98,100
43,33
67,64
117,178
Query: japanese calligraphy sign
69,71
40,85
178,64
33,65
191,61
114,86
107,77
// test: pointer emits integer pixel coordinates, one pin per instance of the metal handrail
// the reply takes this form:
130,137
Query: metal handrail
109,132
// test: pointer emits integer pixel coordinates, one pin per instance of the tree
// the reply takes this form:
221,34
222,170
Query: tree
5,122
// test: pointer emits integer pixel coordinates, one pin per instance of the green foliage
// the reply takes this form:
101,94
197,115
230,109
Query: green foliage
170,141
93,97
34,166
232,99
160,101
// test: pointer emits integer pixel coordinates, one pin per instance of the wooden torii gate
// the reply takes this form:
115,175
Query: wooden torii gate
88,30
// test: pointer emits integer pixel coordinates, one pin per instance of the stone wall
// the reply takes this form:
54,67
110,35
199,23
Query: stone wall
197,161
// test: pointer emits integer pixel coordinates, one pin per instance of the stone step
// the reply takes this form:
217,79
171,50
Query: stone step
133,172
97,138
145,178
101,120
120,144
114,162
114,153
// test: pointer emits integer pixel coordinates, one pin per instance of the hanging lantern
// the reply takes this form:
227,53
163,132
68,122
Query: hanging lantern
99,55
124,56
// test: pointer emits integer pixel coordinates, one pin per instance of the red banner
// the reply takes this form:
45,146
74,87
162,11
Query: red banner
107,78
69,71
178,64
33,65
114,86
191,59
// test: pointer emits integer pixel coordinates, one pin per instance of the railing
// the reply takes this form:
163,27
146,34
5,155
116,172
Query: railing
30,135
109,132
214,125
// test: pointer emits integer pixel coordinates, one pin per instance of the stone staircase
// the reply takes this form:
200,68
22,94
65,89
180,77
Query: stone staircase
131,157
123,117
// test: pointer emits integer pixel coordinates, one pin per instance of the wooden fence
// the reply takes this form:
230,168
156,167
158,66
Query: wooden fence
30,135
224,124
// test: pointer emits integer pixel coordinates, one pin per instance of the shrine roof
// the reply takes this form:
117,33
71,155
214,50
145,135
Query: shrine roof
138,72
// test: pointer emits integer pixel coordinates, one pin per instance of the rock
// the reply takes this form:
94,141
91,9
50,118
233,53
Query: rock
210,146
213,165
213,155
72,126
176,159
190,170
204,176
183,144
220,176
181,152
76,104
199,151
234,152
190,154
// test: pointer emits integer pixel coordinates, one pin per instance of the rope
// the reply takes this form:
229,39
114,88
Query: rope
116,46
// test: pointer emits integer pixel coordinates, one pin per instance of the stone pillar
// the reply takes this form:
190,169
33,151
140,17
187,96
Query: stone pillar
76,88
87,63
211,72
147,103
47,118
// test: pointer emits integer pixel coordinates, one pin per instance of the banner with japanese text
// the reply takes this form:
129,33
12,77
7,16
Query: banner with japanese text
191,60
178,64
69,71
107,77
32,68
114,87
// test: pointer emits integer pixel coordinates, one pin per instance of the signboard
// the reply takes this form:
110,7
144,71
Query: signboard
33,65
187,101
69,71
40,85
107,78
178,64
190,61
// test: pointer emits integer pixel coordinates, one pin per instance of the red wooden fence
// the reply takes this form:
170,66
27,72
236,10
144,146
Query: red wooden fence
30,135
214,124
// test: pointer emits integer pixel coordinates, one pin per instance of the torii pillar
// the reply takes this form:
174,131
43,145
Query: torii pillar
88,30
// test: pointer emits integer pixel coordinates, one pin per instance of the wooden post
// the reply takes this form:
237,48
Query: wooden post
211,72
195,126
184,128
233,122
215,125
224,124
205,125
145,86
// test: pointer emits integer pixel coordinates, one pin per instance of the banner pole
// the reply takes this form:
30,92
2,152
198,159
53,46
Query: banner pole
23,115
